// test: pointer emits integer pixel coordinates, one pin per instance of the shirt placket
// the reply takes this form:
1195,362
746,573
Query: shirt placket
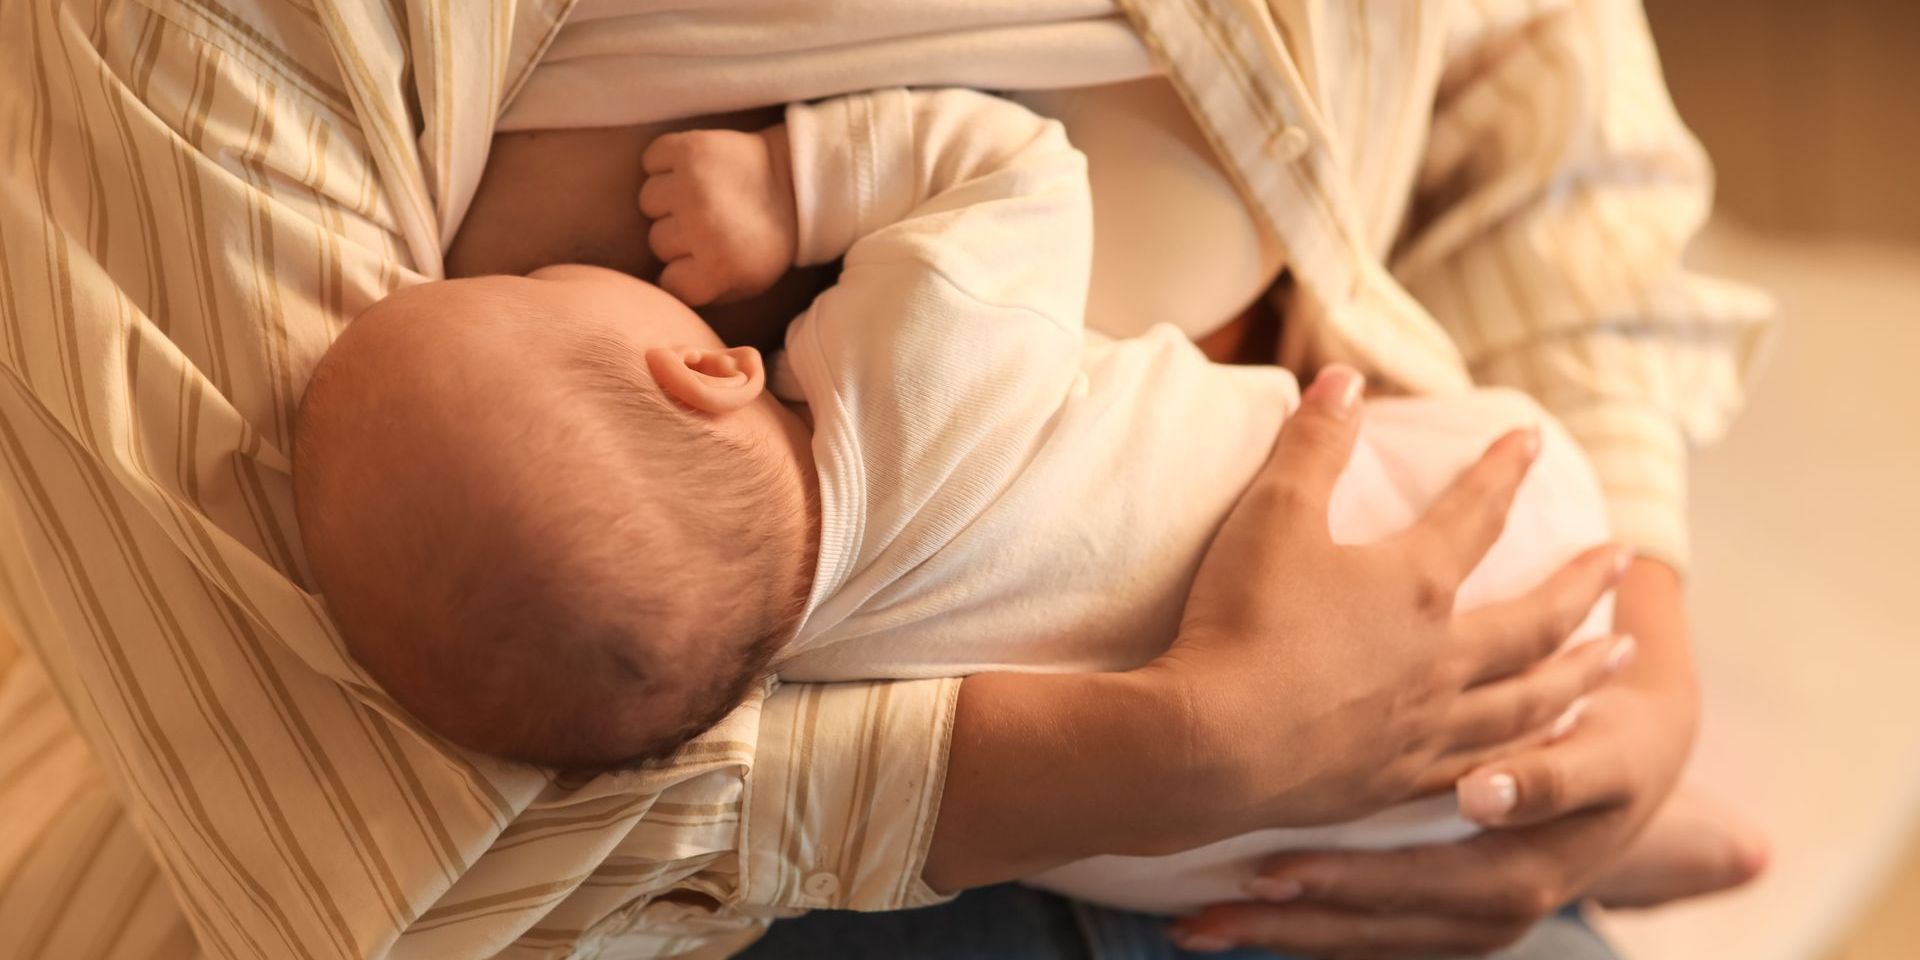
1230,64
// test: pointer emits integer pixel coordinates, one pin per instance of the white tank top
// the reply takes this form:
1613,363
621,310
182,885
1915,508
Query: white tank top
1173,240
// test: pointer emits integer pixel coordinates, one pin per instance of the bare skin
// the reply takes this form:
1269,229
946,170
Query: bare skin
525,217
1685,848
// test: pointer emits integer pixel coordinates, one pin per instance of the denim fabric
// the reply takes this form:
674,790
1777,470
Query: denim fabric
1012,922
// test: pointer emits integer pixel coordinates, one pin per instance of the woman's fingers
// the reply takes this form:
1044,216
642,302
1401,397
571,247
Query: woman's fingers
1502,876
1584,770
1321,930
1543,698
1509,637
1314,446
1462,525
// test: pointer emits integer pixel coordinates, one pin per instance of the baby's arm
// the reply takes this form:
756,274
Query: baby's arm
979,190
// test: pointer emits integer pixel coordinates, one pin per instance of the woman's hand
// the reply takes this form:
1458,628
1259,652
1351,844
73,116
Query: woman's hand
1325,682
1310,683
1569,808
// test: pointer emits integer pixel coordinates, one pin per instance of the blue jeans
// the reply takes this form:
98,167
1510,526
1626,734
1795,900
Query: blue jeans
1012,922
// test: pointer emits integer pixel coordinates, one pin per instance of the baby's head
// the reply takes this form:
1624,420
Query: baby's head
554,515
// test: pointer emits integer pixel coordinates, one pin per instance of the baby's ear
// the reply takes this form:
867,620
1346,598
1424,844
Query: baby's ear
710,381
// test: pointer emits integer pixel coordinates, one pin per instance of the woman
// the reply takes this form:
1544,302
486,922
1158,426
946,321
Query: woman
174,267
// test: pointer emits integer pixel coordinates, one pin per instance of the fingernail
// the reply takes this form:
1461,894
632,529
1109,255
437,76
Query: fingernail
1571,716
1582,642
1338,386
1622,654
1533,444
1275,890
1622,559
1201,942
1490,798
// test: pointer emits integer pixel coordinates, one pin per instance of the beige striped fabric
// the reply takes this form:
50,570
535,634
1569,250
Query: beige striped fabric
1494,191
196,194
194,198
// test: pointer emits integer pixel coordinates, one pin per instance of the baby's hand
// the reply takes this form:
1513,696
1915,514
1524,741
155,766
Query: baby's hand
722,209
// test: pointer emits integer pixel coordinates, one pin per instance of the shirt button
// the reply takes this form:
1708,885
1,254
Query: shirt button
1289,144
821,885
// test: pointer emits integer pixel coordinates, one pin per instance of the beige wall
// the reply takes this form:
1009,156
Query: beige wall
1810,108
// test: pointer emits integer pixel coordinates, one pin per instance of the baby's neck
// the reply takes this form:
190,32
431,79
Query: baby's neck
793,437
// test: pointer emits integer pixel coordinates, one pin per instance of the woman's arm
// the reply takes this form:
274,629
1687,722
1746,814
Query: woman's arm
1583,220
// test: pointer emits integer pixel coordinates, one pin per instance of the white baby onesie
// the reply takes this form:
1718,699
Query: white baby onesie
1003,490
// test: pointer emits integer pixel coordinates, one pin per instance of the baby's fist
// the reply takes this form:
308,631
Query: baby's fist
722,209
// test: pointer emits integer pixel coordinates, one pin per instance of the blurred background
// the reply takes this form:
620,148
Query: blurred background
1808,514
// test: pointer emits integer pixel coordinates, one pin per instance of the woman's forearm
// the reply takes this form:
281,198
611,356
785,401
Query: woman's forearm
1045,769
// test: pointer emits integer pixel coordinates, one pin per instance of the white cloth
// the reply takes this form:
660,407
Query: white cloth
1001,489
671,59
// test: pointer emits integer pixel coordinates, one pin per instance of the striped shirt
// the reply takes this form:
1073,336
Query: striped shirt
195,196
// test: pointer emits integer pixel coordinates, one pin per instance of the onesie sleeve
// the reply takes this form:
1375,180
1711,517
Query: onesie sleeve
952,339
974,187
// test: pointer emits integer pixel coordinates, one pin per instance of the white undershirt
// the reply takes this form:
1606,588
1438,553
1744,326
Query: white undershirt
1173,240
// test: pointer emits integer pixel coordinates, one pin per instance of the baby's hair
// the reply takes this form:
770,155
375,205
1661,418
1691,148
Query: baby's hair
524,588
725,484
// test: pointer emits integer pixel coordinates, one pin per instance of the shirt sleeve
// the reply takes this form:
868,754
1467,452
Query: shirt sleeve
1556,196
817,838
198,207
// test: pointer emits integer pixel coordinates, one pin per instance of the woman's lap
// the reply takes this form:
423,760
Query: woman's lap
1012,922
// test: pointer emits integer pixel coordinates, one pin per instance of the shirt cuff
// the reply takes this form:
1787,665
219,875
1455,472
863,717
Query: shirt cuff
1640,456
844,795
848,157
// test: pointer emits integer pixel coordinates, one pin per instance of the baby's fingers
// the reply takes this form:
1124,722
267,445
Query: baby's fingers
691,281
664,153
659,195
668,238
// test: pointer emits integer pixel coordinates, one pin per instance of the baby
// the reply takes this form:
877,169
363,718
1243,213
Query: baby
562,522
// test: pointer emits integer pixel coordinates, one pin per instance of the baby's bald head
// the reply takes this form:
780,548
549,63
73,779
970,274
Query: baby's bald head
531,545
